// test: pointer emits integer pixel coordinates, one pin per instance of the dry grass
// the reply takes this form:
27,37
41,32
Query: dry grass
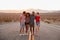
9,17
50,18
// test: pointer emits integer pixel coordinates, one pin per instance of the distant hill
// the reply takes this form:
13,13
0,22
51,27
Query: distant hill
30,10
42,12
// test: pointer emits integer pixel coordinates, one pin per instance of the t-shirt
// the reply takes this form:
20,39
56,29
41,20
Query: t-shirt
27,20
32,19
37,18
22,18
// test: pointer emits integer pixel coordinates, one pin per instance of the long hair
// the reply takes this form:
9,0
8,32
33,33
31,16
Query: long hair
28,14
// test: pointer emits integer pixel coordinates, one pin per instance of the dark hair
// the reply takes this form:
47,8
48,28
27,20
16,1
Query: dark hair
24,12
38,13
28,14
33,13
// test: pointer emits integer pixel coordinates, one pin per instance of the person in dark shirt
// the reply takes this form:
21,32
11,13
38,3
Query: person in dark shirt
32,18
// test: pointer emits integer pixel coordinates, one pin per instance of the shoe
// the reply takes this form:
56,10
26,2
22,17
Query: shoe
21,34
26,34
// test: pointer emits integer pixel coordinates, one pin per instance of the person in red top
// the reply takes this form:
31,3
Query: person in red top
37,22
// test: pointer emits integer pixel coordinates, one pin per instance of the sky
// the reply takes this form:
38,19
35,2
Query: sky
27,4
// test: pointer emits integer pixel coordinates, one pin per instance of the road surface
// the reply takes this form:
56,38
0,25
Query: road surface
10,31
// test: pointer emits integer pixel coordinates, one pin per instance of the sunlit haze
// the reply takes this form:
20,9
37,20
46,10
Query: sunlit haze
27,4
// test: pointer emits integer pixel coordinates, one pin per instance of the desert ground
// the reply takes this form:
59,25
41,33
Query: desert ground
10,31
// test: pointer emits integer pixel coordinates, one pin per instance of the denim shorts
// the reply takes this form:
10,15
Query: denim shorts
38,24
22,25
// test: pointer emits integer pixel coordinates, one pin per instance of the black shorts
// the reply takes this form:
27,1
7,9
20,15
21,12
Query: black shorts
32,24
27,23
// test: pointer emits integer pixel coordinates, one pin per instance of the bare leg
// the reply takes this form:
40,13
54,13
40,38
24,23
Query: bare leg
38,29
21,30
26,28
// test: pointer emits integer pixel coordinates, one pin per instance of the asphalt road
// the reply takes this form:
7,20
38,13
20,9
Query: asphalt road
10,31
49,31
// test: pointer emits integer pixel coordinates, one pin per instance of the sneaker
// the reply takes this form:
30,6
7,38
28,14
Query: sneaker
25,33
21,34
